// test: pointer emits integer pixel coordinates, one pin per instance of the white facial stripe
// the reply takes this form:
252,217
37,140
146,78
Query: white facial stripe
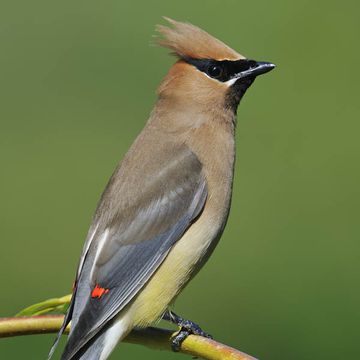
227,83
209,77
231,81
238,76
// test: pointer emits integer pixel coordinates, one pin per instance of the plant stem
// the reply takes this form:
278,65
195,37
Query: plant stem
151,337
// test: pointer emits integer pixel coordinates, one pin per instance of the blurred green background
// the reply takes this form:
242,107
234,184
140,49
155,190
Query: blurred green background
77,82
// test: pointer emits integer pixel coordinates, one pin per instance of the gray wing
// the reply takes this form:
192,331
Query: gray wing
137,222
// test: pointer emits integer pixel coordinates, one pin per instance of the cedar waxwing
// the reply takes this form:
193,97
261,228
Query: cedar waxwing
166,205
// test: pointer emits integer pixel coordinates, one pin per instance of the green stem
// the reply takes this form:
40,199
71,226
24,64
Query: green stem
150,337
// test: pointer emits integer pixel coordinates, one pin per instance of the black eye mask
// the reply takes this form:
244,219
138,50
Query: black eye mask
224,70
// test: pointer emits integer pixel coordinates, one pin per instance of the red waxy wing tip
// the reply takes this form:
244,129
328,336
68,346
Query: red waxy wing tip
98,292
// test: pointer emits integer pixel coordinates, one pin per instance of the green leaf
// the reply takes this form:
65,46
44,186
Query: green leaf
56,305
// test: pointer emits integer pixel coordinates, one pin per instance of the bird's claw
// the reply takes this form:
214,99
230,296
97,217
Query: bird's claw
193,328
178,339
187,328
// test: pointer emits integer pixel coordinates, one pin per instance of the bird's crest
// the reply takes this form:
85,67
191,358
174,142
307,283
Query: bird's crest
187,40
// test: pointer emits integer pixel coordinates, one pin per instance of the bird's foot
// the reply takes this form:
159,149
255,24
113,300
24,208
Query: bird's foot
187,328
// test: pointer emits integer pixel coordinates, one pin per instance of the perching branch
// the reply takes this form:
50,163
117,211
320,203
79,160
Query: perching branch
151,337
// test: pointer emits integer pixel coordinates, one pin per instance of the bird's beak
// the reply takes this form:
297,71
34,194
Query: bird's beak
255,68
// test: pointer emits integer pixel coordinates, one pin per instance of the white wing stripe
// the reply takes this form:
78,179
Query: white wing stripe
100,246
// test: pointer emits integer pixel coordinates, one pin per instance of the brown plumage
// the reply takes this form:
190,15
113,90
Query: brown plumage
166,205
187,40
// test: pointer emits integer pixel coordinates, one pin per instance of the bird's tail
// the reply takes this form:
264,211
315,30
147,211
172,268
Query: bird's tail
101,346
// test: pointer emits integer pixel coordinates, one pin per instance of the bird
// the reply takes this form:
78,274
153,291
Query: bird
165,207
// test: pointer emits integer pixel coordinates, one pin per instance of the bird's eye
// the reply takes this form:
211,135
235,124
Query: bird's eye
214,71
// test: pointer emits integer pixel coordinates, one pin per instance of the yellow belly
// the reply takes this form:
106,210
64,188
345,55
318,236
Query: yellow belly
175,271
191,251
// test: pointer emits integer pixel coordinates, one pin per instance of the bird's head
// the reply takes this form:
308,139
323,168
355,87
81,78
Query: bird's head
208,71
